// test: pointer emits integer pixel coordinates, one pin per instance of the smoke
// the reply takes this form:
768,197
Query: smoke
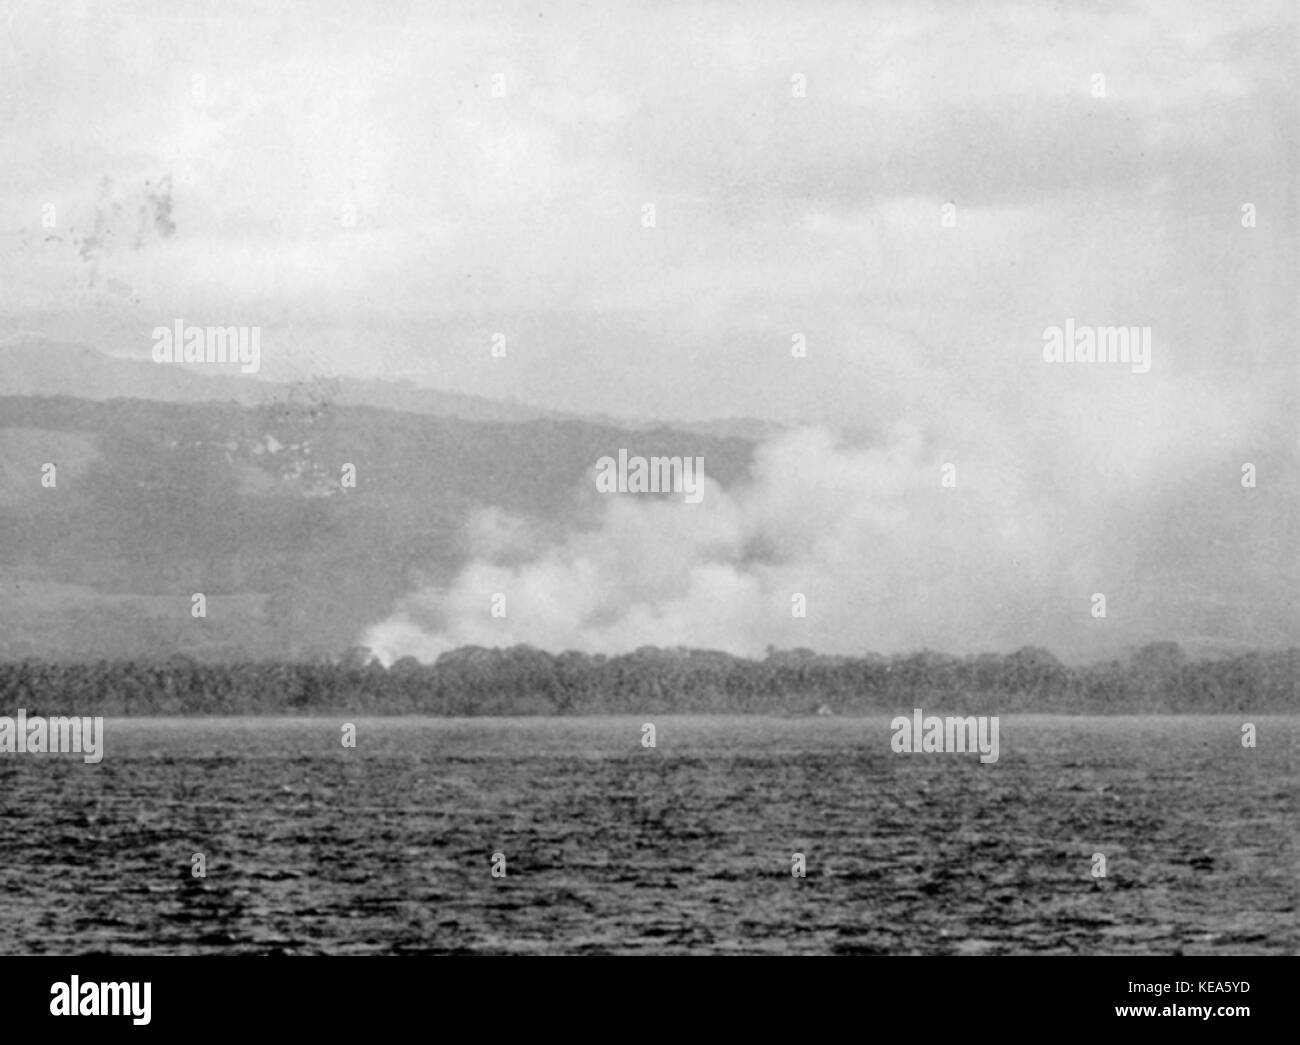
883,556
1130,492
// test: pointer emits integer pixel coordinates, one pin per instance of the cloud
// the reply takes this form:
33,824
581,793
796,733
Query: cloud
477,213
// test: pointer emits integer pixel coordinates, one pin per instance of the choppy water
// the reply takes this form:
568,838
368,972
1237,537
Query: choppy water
611,847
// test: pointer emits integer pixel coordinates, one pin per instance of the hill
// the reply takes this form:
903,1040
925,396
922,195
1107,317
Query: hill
155,501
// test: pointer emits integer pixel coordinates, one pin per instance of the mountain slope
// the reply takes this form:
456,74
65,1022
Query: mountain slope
154,502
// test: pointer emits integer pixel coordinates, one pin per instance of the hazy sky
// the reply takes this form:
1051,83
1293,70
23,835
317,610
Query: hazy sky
205,160
774,214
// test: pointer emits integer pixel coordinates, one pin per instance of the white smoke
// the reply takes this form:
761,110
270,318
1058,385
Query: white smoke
885,557
1127,490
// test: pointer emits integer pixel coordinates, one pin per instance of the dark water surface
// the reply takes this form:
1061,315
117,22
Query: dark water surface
611,847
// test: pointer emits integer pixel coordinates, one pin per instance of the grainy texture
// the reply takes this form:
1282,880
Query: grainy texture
683,848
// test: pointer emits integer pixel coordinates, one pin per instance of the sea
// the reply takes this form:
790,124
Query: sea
1089,835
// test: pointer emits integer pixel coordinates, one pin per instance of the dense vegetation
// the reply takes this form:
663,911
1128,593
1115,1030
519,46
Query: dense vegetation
525,681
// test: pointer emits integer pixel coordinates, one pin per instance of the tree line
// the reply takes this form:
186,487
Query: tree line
521,680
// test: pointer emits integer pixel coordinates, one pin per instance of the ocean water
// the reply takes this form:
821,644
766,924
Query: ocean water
611,847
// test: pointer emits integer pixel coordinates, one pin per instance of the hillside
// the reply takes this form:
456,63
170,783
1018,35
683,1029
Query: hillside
155,501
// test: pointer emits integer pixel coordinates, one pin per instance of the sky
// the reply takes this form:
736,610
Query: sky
384,187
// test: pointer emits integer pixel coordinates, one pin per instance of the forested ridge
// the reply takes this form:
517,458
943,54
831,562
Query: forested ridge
521,680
